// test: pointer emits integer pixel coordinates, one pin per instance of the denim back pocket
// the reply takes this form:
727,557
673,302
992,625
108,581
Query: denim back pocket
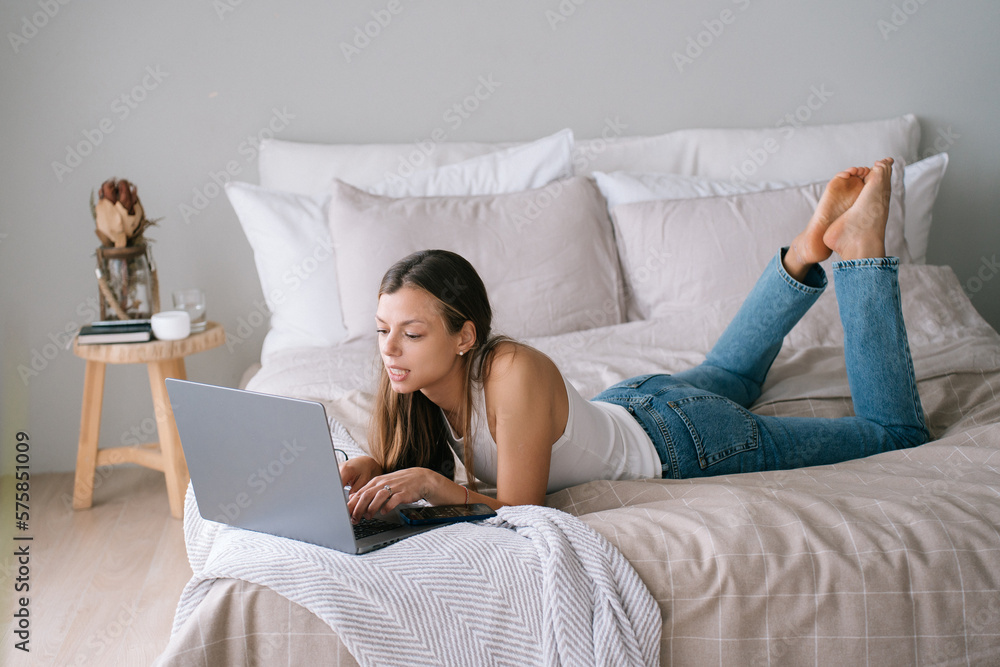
720,429
636,382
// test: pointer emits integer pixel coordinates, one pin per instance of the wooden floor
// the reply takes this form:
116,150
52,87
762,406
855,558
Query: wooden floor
104,581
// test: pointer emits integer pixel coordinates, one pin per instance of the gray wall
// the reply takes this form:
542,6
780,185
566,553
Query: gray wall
83,74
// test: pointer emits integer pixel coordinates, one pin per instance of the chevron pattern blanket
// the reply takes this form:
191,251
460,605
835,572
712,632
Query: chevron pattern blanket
531,586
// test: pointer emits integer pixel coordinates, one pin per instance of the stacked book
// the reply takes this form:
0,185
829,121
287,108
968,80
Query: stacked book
115,331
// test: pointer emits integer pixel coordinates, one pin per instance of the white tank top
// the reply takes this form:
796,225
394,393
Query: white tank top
601,441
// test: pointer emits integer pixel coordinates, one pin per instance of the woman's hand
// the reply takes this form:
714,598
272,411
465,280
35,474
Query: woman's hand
358,471
383,493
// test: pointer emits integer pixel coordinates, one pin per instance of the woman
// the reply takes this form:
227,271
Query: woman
508,413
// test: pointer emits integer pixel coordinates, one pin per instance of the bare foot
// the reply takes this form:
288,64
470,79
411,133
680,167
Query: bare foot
808,247
859,232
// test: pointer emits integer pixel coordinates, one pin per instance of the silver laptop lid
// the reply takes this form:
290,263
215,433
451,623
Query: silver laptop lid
262,462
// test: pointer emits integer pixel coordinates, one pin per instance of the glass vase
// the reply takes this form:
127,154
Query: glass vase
127,281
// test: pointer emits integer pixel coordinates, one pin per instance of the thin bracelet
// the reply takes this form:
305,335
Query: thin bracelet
466,495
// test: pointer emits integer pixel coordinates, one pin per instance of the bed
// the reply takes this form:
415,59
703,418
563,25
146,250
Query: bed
618,256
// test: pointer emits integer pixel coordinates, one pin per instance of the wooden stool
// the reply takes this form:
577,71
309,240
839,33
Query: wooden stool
165,359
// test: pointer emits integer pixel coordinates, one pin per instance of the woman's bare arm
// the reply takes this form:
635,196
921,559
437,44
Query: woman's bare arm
528,408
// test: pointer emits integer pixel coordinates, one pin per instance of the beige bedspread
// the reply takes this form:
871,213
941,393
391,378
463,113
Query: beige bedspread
889,560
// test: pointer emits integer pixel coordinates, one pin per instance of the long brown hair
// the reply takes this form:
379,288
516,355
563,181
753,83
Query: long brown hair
409,430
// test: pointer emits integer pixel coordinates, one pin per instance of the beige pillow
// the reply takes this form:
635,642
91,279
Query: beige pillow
695,251
547,256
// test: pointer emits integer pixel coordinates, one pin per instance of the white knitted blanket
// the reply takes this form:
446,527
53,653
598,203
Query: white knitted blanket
532,586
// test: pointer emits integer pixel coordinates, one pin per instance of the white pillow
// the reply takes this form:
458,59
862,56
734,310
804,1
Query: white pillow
539,283
922,181
308,168
623,187
804,153
295,265
812,153
707,249
517,168
291,241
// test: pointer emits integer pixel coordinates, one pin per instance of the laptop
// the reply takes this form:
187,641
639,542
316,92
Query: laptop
267,463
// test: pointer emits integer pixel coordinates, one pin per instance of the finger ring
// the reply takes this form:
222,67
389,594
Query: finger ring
388,488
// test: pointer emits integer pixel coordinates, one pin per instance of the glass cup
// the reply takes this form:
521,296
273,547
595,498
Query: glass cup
193,301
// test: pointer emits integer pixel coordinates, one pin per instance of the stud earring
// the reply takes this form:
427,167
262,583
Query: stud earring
461,353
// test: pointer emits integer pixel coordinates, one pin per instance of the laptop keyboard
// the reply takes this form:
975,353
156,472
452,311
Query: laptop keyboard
369,527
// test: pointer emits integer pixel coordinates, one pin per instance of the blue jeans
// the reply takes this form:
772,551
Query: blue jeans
698,419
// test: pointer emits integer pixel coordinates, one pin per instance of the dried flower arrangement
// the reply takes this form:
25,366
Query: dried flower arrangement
119,215
126,274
